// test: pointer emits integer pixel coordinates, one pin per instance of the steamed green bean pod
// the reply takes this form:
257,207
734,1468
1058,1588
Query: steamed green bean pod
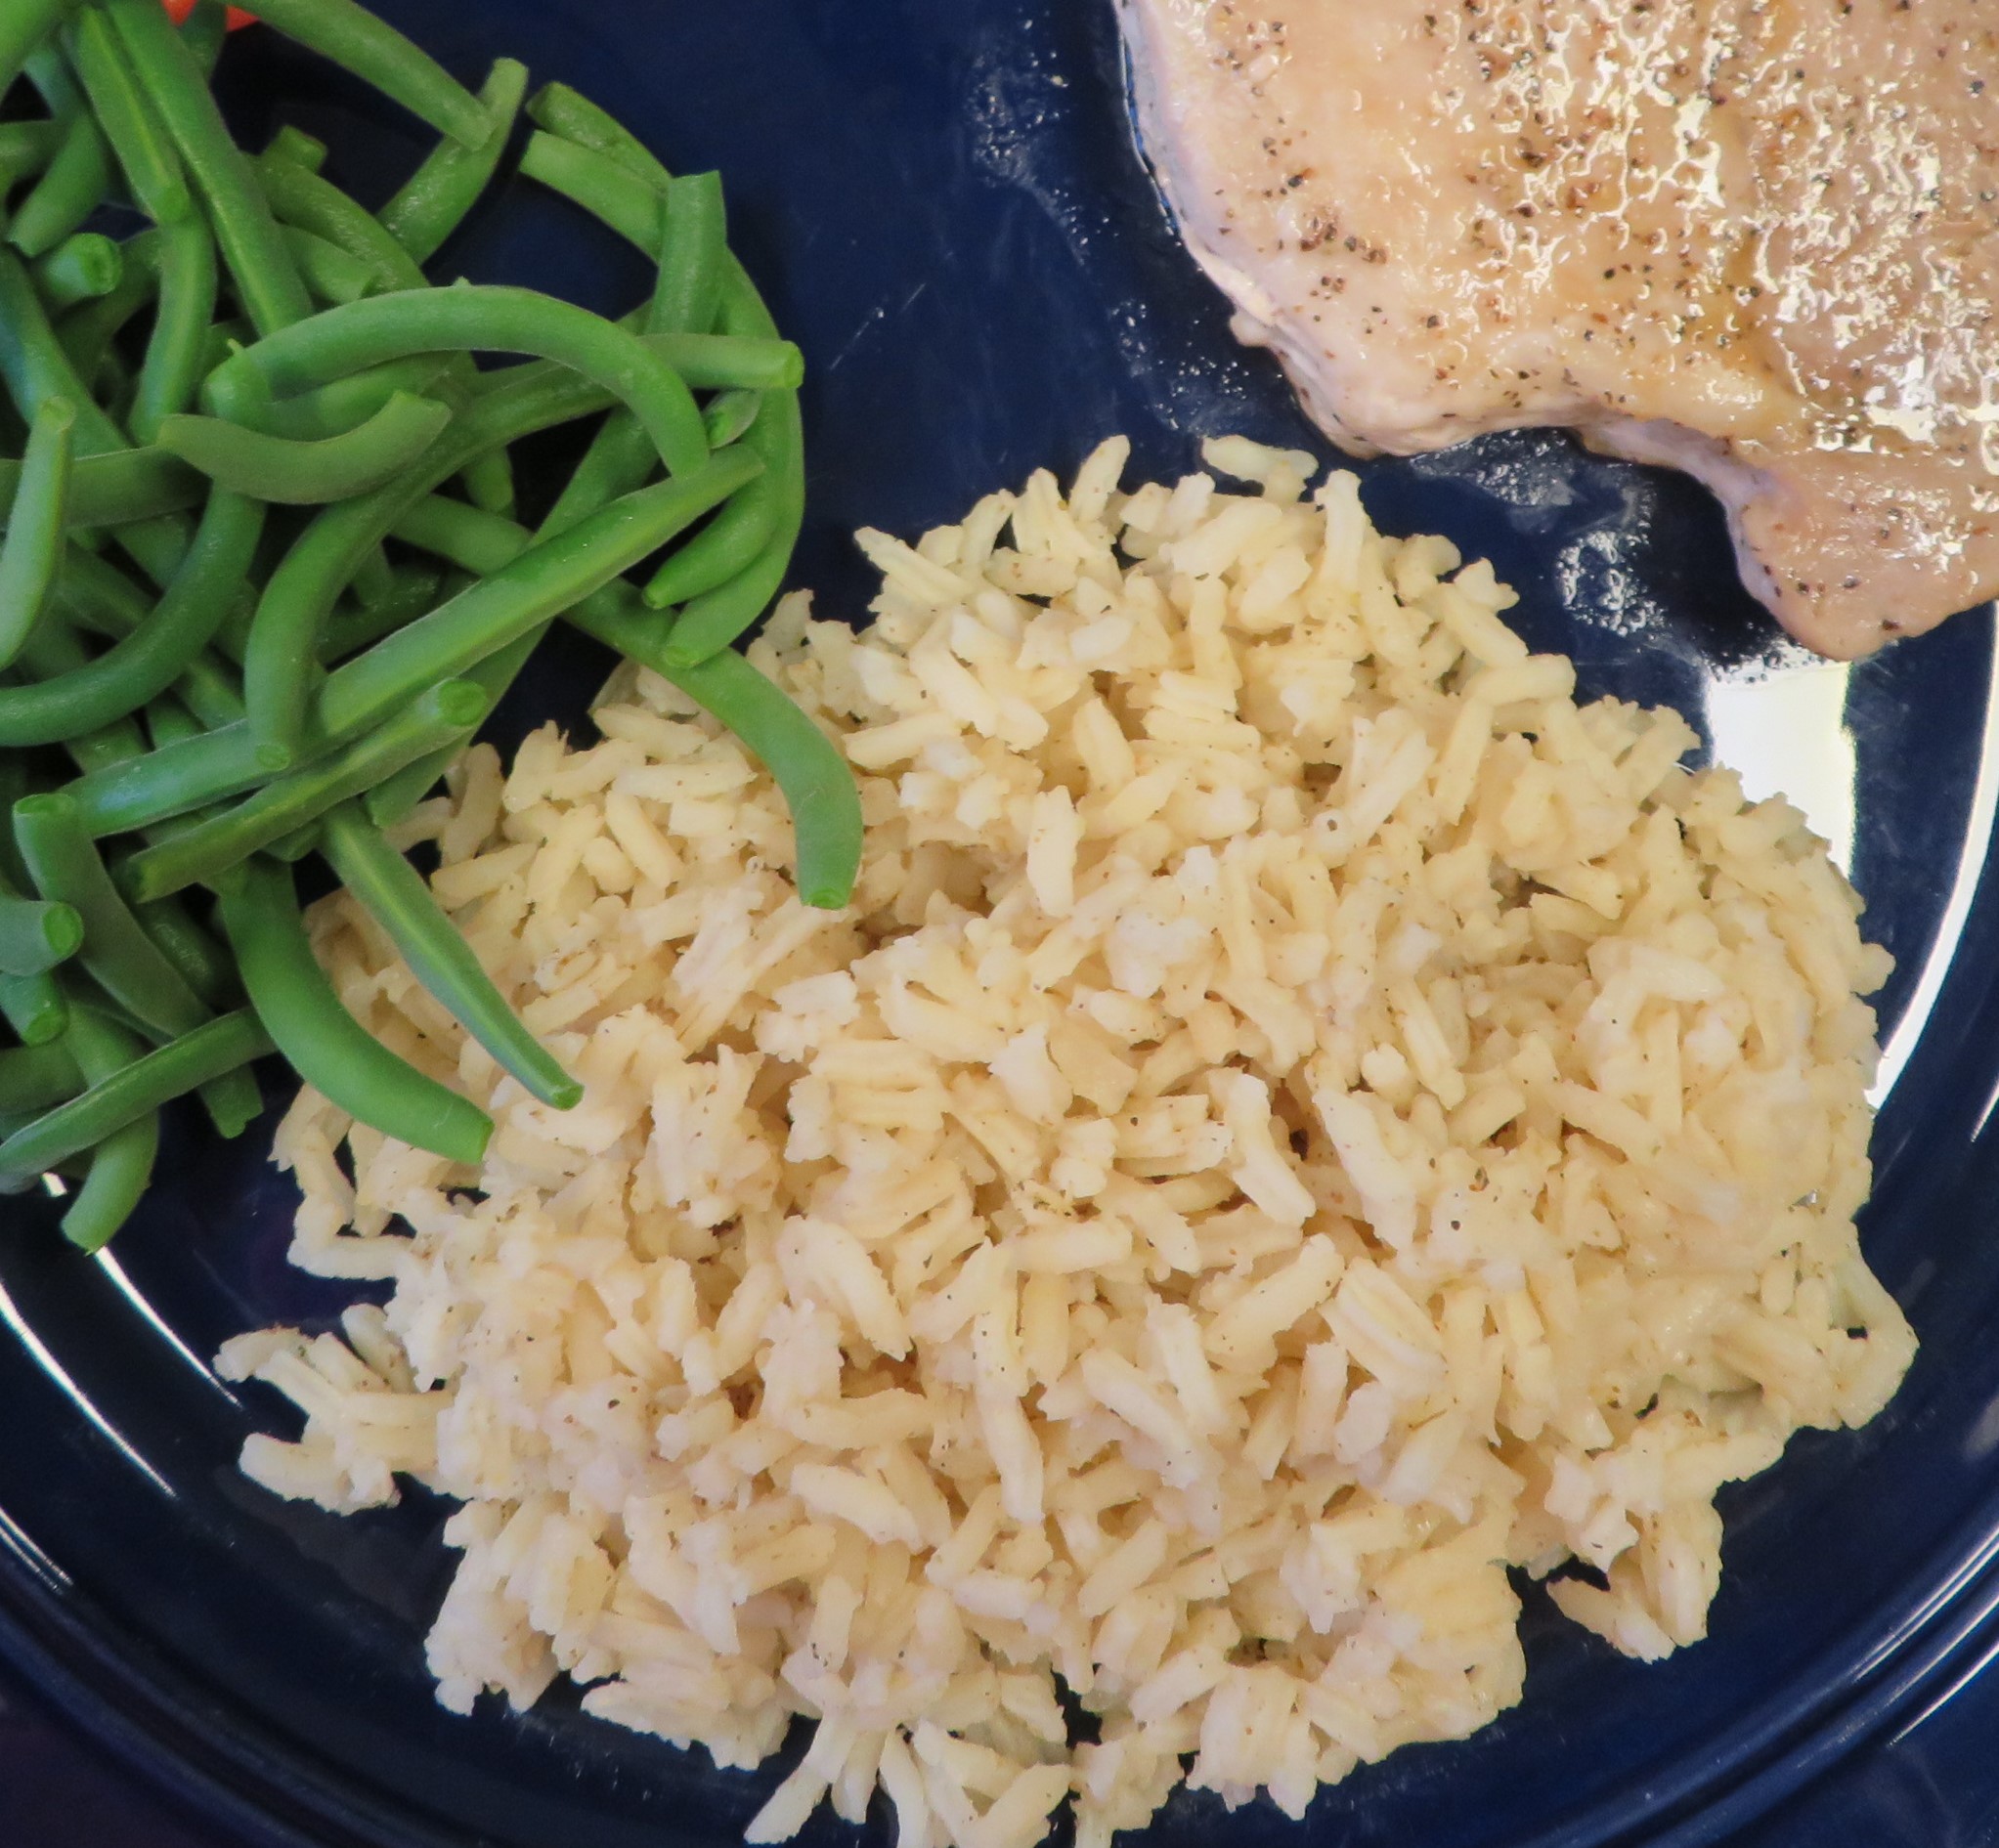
36,935
176,352
267,280
31,550
72,187
65,865
541,583
817,784
323,1042
139,142
121,1162
211,846
23,25
131,1090
157,651
354,38
395,895
119,487
34,1077
435,199
85,267
292,473
473,318
569,115
34,1008
686,293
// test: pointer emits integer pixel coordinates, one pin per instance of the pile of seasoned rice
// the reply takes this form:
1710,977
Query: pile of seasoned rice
1299,1118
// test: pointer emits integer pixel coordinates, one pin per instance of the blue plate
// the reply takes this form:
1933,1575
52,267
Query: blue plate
942,201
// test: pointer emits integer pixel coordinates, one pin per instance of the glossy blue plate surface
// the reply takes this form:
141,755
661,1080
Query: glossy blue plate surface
942,201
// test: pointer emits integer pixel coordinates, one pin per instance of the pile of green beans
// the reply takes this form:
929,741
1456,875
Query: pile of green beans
263,572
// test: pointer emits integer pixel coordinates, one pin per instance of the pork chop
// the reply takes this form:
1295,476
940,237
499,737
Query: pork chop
1758,240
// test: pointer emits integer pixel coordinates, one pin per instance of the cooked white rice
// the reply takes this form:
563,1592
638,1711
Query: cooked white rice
1300,1117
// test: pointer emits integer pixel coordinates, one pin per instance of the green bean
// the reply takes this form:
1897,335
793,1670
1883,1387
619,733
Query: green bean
131,1090
628,201
436,197
825,804
330,273
35,367
541,583
634,209
101,598
64,864
814,779
26,148
303,199
730,415
54,650
711,621
308,474
34,1008
143,152
392,798
724,362
490,318
693,247
331,409
202,853
352,38
300,595
574,117
469,538
120,487
489,480
168,721
31,552
88,330
293,144
176,351
395,897
727,572
112,744
122,1163
759,528
306,201
693,257
267,282
169,781
210,693
353,626
24,24
27,145
330,1050
205,32
82,268
72,187
234,1102
158,651
96,595
36,935
34,1077
293,847
202,962
15,782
